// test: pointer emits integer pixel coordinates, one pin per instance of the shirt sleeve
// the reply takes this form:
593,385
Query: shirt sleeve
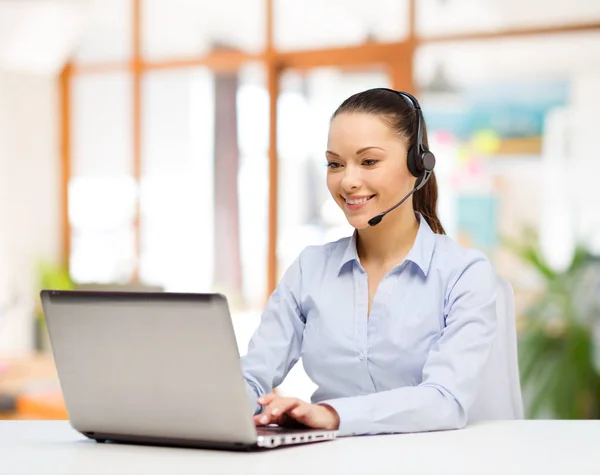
450,374
276,344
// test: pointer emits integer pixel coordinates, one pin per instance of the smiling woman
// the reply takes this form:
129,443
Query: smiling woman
394,323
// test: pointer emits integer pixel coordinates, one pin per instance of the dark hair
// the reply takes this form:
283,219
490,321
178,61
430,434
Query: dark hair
400,115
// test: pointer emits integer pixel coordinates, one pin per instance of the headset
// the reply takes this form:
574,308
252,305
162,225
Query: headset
420,160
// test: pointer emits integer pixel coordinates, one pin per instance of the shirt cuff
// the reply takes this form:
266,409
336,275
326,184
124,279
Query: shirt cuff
351,422
252,396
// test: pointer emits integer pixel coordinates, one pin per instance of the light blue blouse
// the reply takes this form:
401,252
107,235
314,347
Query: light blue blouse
412,365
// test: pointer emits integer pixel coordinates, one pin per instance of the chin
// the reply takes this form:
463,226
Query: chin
358,222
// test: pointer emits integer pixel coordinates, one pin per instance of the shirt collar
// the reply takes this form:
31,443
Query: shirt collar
420,254
350,253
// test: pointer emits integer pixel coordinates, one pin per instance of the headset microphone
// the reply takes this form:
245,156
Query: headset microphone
377,219
420,160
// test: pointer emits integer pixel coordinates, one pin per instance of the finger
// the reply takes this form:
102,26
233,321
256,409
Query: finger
304,414
265,419
281,406
277,409
266,399
266,416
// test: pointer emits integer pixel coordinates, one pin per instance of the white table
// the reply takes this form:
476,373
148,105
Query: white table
515,447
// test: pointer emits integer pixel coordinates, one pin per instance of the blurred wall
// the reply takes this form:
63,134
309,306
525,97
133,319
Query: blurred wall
29,197
584,152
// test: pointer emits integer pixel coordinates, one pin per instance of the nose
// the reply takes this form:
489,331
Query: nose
352,178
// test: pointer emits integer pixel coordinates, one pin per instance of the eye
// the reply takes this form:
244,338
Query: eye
333,165
369,162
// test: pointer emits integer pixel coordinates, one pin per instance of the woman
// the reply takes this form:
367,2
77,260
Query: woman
395,323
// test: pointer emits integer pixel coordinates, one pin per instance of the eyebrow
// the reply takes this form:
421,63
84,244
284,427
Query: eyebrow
358,152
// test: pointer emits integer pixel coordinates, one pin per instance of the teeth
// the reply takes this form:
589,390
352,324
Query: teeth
355,202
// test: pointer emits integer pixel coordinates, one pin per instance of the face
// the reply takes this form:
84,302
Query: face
366,167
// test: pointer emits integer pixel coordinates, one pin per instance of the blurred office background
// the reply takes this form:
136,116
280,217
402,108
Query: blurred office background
179,145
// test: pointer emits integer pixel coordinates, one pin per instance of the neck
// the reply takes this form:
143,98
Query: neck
389,241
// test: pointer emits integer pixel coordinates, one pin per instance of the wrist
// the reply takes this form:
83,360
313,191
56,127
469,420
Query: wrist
333,415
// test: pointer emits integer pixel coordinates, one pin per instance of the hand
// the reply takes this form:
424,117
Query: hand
292,412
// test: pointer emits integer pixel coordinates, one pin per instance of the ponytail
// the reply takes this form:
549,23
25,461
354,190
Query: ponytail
425,202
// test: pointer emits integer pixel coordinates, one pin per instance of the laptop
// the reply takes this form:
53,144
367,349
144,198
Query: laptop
156,368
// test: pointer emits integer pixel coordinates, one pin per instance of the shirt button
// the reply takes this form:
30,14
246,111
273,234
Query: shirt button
361,356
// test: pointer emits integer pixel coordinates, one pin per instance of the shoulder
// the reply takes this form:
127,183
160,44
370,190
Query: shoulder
325,251
320,256
317,258
457,263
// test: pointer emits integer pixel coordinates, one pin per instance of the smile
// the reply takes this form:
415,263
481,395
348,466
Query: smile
356,203
359,201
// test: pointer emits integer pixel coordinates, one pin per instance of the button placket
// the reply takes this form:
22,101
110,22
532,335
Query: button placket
380,303
362,299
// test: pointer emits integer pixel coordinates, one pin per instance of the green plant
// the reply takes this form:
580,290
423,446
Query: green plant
50,276
556,340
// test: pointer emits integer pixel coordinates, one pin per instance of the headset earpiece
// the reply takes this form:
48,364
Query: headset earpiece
427,161
413,162
419,163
